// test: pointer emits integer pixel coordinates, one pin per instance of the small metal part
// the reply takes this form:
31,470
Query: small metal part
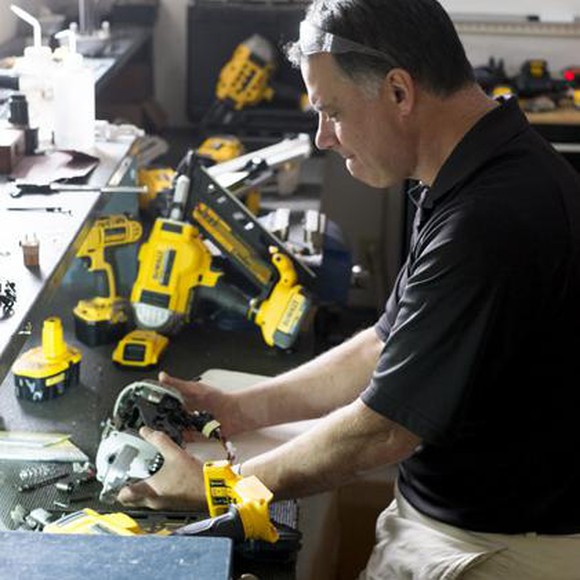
48,208
37,476
34,520
18,514
7,298
35,471
65,486
41,483
61,504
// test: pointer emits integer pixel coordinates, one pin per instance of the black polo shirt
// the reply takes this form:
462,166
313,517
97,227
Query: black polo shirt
482,337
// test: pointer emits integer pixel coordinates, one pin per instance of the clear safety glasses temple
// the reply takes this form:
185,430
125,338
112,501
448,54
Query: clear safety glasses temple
314,40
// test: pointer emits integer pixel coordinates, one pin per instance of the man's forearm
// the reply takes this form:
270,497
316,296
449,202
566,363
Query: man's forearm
316,388
344,444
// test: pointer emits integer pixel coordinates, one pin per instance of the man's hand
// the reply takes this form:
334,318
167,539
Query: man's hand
201,397
177,485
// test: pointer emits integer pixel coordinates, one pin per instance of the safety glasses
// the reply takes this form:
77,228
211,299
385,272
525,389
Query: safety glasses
314,40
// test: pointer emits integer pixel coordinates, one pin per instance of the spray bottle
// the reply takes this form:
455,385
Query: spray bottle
74,98
34,71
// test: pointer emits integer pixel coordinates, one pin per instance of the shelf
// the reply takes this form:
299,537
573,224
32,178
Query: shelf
514,26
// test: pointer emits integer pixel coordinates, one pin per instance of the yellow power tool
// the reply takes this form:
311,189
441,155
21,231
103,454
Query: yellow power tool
219,148
156,180
238,509
224,489
172,263
244,81
46,371
103,319
176,265
280,302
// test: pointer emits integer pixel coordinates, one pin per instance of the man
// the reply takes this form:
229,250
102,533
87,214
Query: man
467,381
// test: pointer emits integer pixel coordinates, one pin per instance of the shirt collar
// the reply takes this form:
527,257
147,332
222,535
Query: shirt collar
478,145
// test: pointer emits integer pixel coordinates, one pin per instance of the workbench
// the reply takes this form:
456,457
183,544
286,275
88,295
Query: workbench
81,410
218,355
60,234
53,290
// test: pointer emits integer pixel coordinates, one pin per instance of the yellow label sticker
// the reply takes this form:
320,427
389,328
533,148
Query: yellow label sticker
54,380
293,314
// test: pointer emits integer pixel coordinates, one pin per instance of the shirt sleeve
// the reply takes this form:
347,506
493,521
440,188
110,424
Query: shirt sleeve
432,351
385,322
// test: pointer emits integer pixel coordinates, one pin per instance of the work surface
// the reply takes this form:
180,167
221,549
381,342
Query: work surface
81,410
59,234
32,556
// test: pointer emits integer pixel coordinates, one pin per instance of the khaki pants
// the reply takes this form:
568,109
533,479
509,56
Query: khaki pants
411,546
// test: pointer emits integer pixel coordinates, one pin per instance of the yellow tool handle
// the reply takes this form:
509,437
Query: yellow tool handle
251,497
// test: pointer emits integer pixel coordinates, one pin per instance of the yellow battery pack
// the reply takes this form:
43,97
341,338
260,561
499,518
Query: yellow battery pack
46,371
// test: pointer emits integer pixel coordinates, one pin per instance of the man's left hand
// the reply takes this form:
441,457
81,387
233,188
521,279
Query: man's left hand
177,485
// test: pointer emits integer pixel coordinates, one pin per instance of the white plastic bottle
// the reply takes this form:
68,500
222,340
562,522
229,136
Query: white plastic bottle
74,103
35,71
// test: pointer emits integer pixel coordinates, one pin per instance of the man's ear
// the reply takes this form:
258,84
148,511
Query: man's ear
400,88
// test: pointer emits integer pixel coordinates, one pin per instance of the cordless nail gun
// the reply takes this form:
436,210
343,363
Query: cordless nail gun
179,263
244,81
248,80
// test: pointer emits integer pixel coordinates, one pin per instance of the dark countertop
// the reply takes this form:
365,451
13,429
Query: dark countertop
194,350
60,235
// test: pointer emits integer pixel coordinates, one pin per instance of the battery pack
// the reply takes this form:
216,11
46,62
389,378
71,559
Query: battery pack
47,371
39,389
100,320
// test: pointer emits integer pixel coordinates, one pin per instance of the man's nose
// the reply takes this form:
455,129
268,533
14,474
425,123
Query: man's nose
325,135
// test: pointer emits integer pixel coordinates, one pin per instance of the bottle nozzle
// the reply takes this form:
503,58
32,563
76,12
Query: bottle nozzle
71,34
36,29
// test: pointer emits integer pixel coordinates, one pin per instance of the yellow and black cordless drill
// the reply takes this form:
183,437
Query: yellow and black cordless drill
103,319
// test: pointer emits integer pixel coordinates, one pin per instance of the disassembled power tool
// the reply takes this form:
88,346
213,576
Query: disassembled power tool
123,456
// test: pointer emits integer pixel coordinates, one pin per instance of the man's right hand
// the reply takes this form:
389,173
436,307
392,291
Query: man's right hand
199,396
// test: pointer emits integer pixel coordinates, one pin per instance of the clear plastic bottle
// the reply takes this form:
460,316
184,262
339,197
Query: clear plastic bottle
35,70
74,103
